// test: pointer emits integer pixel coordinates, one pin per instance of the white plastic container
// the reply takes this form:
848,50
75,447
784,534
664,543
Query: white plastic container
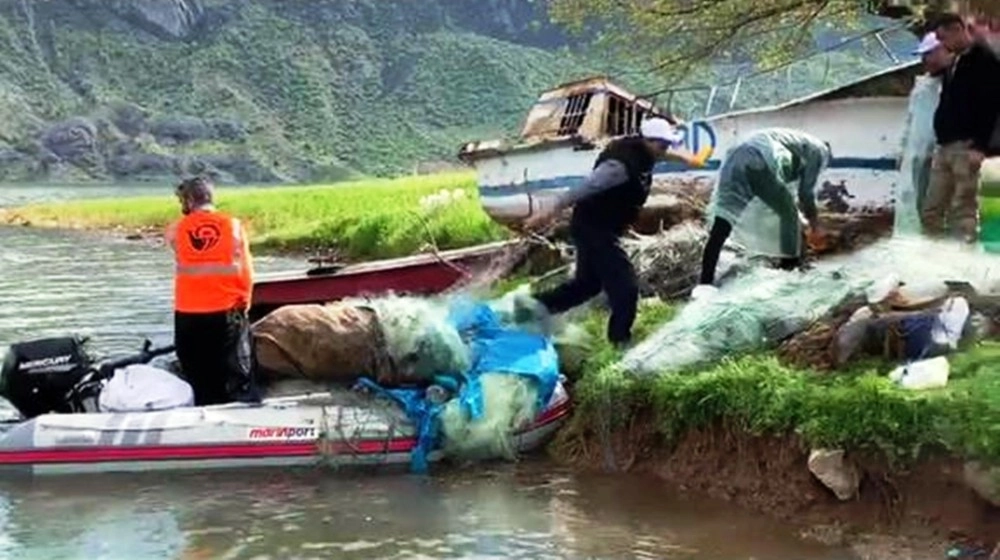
924,374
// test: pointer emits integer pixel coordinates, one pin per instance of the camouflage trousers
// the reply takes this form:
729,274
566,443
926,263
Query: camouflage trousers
951,203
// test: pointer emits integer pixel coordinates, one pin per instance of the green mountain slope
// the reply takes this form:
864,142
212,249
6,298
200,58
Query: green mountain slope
262,90
257,91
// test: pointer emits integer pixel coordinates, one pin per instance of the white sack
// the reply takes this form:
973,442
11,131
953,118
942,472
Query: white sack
140,387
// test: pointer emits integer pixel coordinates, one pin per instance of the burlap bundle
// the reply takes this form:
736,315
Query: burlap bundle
333,342
883,333
816,346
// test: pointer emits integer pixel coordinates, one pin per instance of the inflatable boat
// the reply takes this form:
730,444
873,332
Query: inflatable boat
334,429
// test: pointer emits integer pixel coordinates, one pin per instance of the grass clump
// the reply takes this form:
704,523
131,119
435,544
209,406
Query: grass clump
367,219
858,409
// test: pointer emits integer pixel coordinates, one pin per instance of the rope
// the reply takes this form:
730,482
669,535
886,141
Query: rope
433,246
359,406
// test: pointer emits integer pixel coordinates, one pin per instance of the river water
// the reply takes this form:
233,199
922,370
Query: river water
117,292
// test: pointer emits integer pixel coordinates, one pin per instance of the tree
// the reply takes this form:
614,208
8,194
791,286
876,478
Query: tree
673,36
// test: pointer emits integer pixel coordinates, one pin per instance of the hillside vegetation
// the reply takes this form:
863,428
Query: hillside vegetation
262,91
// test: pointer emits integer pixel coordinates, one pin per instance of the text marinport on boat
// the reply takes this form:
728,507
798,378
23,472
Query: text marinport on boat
283,432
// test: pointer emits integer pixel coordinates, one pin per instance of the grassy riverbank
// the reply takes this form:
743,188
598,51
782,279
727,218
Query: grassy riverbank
367,219
743,429
858,409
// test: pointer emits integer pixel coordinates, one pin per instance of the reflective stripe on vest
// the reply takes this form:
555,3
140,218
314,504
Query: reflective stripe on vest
208,269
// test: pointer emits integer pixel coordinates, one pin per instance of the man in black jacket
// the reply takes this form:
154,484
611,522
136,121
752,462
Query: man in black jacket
604,207
987,31
963,124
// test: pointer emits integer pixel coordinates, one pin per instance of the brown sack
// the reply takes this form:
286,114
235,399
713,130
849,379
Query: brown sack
319,342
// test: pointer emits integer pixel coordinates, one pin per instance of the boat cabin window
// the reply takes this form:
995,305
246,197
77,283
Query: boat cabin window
622,117
574,113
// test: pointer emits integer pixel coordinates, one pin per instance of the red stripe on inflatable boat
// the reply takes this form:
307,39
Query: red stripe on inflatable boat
231,451
549,416
201,452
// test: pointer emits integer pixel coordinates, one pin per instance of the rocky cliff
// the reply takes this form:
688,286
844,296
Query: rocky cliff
260,90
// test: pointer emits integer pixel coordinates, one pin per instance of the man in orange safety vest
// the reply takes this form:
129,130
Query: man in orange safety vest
213,282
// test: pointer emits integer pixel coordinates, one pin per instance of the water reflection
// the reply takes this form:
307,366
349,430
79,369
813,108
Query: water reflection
117,291
511,512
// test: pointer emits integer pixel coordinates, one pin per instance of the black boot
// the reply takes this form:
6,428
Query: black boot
621,345
790,263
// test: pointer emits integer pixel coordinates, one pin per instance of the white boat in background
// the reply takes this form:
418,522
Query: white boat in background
568,126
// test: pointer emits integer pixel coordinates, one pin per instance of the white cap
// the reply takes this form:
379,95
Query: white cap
927,44
660,129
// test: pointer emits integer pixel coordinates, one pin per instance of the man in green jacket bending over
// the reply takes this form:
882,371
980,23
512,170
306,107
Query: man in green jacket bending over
757,187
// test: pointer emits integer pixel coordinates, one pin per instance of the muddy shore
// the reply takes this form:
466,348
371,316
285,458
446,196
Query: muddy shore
917,511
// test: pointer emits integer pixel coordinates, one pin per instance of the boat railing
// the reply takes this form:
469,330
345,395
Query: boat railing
757,87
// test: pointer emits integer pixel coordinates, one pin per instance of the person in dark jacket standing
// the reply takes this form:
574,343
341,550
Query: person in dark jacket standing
987,31
963,124
604,207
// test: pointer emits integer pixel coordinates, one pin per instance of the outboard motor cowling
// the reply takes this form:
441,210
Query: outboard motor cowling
37,375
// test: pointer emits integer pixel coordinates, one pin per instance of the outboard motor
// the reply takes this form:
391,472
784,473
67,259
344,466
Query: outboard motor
37,375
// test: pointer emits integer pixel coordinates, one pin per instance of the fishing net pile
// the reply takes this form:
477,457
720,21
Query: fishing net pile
398,340
755,310
468,377
509,403
668,264
815,347
859,328
882,300
898,325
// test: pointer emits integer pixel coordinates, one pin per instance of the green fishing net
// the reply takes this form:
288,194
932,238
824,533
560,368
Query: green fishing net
509,403
753,311
759,308
918,146
419,338
572,341
518,308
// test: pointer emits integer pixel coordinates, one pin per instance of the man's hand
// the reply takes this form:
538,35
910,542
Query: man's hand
693,160
816,238
701,158
976,158
539,221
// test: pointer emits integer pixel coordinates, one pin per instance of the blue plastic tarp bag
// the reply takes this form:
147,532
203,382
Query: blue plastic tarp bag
497,348
421,411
